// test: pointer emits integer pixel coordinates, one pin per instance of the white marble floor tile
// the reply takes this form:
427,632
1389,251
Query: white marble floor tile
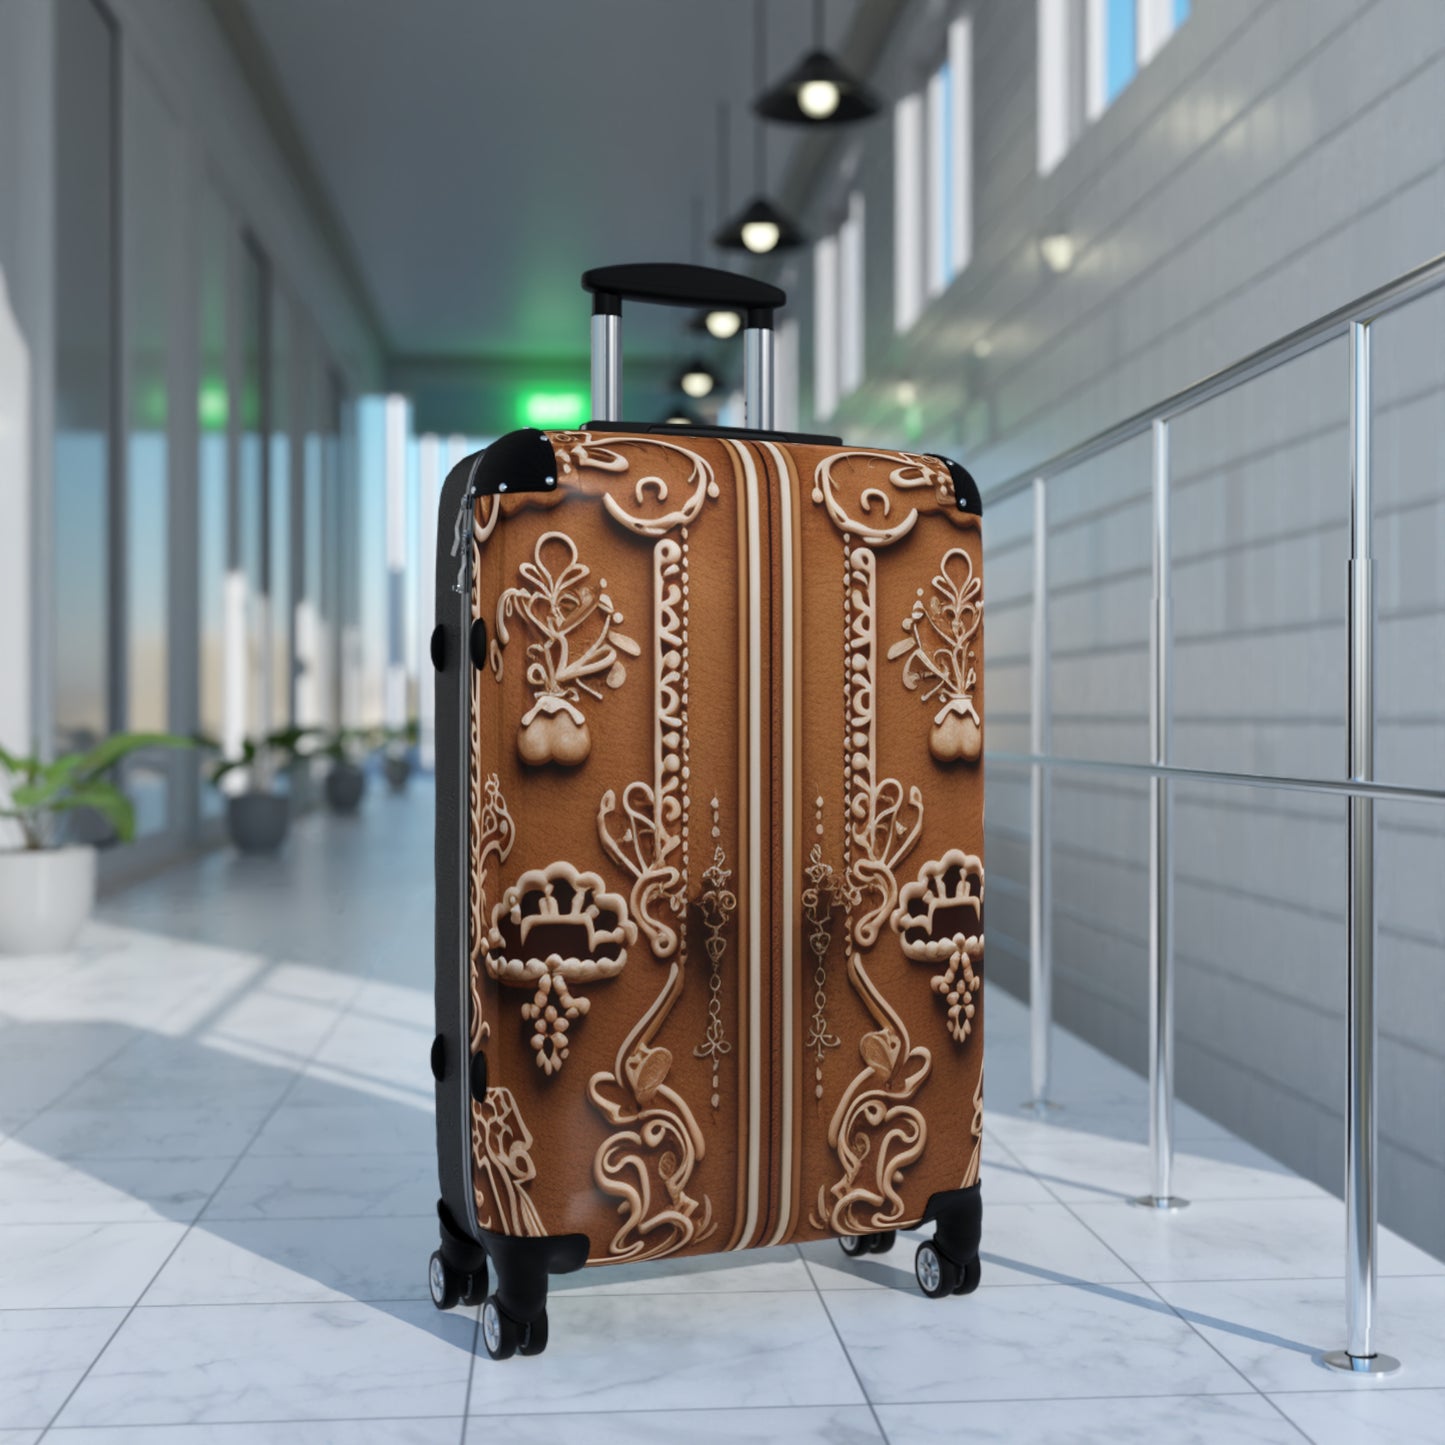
246,1261
1275,1331
327,1186
800,1425
199,1364
1178,1419
163,1073
1376,1417
45,1266
1037,1342
35,1189
141,1133
438,1430
1081,1167
373,1127
43,1353
751,1269
1243,1239
732,1350
1022,1244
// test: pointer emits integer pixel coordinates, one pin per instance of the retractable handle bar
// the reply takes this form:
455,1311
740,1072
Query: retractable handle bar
671,283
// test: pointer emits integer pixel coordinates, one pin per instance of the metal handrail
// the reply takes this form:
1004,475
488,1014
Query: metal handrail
1359,787
1365,309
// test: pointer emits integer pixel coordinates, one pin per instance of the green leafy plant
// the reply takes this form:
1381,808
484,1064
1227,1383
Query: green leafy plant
398,740
264,757
344,745
39,791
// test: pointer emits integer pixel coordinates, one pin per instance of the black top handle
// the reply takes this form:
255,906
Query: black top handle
672,283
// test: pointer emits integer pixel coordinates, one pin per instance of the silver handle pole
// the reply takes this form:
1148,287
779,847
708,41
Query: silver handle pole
606,367
1161,862
1359,1355
1041,949
758,378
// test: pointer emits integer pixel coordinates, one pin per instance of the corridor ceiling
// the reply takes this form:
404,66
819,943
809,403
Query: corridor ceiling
478,155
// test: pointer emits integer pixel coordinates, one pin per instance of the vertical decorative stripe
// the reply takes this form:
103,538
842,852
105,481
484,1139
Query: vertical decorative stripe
790,859
754,843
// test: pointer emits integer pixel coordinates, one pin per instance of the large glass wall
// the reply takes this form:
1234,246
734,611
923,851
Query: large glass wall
85,374
213,473
153,211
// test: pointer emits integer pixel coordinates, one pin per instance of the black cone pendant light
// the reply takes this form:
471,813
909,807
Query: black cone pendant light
760,227
817,90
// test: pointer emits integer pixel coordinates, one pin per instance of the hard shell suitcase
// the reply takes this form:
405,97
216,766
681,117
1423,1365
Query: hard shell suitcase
709,870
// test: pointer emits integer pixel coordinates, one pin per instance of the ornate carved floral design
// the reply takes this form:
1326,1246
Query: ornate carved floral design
939,919
876,1131
502,1154
646,837
940,653
492,834
555,928
577,641
717,903
884,821
826,893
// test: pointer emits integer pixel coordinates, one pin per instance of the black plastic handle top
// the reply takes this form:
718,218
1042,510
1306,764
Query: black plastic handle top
671,283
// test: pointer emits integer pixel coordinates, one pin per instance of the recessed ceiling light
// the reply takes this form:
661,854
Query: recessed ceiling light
1058,252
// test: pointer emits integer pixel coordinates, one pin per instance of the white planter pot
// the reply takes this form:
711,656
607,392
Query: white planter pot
45,896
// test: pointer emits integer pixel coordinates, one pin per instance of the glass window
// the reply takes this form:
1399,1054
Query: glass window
85,375
249,583
1089,51
838,299
933,188
825,326
153,205
280,409
908,218
213,412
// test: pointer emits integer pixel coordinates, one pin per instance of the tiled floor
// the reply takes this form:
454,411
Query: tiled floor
216,1194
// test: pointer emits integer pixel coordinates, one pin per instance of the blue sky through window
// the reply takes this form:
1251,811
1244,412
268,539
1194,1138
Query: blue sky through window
1122,53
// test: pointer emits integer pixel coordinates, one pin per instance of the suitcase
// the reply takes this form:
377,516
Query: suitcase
709,839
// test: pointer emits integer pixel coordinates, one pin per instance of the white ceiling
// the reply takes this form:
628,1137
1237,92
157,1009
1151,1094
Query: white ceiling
480,154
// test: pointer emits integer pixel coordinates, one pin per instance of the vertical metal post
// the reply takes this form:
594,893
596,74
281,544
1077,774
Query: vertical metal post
758,388
1359,1355
1041,954
606,366
1161,863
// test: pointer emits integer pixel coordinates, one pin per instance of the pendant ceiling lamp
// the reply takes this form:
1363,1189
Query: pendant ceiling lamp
817,90
697,380
760,227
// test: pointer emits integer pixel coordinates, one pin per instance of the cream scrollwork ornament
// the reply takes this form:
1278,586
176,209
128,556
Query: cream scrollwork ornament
554,929
940,655
577,639
649,1159
939,920
874,520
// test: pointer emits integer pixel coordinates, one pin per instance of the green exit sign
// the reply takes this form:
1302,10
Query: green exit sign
552,410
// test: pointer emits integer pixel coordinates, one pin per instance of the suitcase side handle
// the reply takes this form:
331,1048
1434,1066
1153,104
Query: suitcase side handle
671,283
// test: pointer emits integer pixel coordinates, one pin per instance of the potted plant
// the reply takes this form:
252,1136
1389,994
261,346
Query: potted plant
346,780
47,885
257,818
397,744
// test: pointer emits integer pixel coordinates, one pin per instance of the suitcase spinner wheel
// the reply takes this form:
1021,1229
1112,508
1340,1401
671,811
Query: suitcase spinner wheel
699,848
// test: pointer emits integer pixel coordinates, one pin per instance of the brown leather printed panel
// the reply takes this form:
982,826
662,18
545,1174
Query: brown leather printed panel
726,824
889,745
609,820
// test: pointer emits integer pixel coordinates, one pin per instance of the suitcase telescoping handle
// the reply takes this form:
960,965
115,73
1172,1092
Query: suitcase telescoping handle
670,283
